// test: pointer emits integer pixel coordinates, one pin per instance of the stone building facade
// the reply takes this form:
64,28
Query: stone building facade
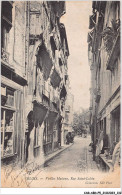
104,61
13,80
34,79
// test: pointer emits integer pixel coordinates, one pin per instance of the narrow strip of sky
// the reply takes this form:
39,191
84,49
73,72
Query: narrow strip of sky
76,21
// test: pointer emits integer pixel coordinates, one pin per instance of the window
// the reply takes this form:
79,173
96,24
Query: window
53,45
11,121
36,137
7,12
47,137
116,124
4,42
6,24
7,120
115,127
5,36
55,135
7,129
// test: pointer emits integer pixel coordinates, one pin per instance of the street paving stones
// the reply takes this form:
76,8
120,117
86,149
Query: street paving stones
76,158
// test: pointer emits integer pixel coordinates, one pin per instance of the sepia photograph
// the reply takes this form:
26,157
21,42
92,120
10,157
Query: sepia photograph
60,94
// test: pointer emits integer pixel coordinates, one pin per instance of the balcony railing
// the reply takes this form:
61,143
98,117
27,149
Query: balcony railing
5,55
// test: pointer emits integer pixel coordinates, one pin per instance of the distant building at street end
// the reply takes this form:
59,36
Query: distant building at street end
68,119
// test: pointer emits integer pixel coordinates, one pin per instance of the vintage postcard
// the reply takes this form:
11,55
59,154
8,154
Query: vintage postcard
60,94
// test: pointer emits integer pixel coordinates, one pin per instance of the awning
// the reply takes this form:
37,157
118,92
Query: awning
66,77
55,78
90,36
89,46
52,116
59,7
52,41
30,123
7,12
9,72
100,23
64,36
63,92
47,65
94,5
44,61
92,21
39,112
60,62
99,6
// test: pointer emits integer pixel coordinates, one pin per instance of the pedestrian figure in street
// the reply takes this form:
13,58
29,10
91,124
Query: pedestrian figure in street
72,138
69,137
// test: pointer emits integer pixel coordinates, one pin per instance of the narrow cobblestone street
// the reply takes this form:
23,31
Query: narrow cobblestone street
76,158
71,167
